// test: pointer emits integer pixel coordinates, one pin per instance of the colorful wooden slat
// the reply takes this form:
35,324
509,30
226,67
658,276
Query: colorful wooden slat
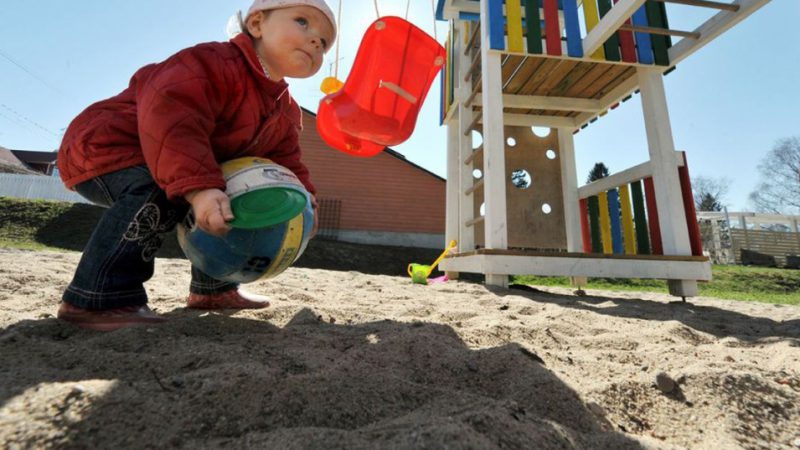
514,24
591,18
695,241
552,28
644,47
640,219
611,45
652,216
659,42
533,25
628,235
586,236
452,72
443,96
594,224
605,223
573,28
662,9
497,25
626,43
616,226
446,74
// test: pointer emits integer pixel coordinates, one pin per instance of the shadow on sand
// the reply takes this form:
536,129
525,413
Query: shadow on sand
708,319
212,380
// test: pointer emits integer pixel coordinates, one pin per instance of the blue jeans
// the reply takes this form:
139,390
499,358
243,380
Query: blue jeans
119,256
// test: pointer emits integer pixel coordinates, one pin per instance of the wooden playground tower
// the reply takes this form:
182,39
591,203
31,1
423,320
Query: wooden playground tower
518,64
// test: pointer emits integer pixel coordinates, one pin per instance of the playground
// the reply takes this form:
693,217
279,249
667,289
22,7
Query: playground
350,360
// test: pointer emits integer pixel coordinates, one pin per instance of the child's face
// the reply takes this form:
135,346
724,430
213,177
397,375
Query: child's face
291,41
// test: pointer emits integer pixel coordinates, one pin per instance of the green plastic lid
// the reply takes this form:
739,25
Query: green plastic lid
266,207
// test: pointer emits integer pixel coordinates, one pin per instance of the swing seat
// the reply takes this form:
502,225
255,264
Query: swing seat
379,103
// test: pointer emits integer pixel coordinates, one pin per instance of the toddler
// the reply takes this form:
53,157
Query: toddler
153,151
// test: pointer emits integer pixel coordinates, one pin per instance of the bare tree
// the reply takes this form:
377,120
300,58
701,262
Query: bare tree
779,190
709,193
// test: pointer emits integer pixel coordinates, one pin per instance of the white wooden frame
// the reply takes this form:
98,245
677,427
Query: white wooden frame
581,267
664,160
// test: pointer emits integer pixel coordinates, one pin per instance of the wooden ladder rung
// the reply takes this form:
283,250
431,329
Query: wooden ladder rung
474,122
661,31
474,187
473,155
472,38
472,95
473,67
704,4
474,221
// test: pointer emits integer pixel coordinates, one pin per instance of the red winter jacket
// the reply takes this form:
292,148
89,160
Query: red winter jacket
202,106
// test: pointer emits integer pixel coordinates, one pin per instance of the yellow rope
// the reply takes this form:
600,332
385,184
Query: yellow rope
338,41
433,8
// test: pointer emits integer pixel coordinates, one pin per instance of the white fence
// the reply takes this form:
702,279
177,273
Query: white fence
37,187
725,235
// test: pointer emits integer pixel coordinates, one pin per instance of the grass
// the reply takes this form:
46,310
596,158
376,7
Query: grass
41,224
768,285
49,225
59,226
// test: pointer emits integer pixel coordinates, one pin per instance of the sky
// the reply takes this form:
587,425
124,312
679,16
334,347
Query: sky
729,102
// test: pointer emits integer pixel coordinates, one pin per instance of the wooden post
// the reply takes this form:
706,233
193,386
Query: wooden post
466,204
716,241
494,164
569,189
672,220
452,211
743,224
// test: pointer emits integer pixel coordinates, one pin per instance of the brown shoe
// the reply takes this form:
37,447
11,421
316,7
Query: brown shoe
233,299
109,319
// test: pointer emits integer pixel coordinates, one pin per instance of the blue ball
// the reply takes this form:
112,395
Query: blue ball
247,255
272,225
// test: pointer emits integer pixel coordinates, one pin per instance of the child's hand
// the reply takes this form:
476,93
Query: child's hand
212,210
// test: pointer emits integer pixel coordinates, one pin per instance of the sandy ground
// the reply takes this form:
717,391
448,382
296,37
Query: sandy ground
348,360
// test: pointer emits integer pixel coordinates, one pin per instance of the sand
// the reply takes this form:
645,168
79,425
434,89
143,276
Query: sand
349,360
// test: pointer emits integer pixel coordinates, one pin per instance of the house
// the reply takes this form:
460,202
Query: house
40,162
9,163
384,200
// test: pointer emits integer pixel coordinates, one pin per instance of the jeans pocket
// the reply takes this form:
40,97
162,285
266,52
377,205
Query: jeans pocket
96,191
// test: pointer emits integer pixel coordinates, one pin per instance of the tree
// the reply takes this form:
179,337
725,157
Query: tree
598,171
521,179
708,203
779,189
709,193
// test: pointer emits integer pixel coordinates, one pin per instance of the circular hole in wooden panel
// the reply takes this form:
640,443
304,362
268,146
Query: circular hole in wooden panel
483,209
546,208
477,139
551,154
511,142
477,174
521,179
542,132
